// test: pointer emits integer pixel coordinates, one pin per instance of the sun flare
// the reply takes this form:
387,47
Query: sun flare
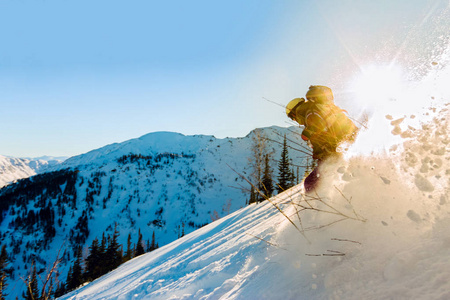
379,90
378,85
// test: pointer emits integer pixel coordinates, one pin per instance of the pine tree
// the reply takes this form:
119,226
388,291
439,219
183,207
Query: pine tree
103,244
103,268
292,180
3,267
267,184
129,253
93,261
285,176
75,276
139,247
113,253
32,292
60,289
68,279
153,244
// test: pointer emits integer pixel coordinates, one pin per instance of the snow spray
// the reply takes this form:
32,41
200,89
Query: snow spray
381,215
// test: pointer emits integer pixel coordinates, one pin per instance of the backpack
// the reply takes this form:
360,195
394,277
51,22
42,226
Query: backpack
330,121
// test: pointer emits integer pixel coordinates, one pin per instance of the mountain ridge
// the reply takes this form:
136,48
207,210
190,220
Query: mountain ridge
14,168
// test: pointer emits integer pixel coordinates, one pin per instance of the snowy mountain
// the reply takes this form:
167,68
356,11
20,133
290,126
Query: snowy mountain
12,169
162,184
376,228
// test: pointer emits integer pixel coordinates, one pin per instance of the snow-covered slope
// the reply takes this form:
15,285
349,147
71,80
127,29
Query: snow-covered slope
376,229
12,169
221,259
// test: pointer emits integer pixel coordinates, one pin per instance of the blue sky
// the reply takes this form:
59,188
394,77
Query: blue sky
78,75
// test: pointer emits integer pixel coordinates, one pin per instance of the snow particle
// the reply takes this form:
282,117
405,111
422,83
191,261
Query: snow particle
406,134
347,176
413,216
385,180
410,159
341,170
397,130
397,122
423,184
440,151
424,168
437,163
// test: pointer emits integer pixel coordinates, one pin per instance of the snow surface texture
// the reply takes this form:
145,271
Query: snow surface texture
376,228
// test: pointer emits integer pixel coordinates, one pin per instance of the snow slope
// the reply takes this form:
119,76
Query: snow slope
216,260
12,169
376,229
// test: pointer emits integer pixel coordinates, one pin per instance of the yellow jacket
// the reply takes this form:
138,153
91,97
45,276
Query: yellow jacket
326,125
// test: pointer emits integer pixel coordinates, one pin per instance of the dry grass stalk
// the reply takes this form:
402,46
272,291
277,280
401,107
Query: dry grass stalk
266,241
345,240
273,203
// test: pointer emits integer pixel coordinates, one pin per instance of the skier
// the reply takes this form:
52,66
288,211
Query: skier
326,126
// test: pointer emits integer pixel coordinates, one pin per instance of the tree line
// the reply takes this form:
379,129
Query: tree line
103,256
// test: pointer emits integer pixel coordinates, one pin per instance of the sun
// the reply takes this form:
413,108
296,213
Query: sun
379,91
378,85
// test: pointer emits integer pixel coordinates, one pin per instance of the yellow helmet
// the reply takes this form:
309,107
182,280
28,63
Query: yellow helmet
291,107
319,93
